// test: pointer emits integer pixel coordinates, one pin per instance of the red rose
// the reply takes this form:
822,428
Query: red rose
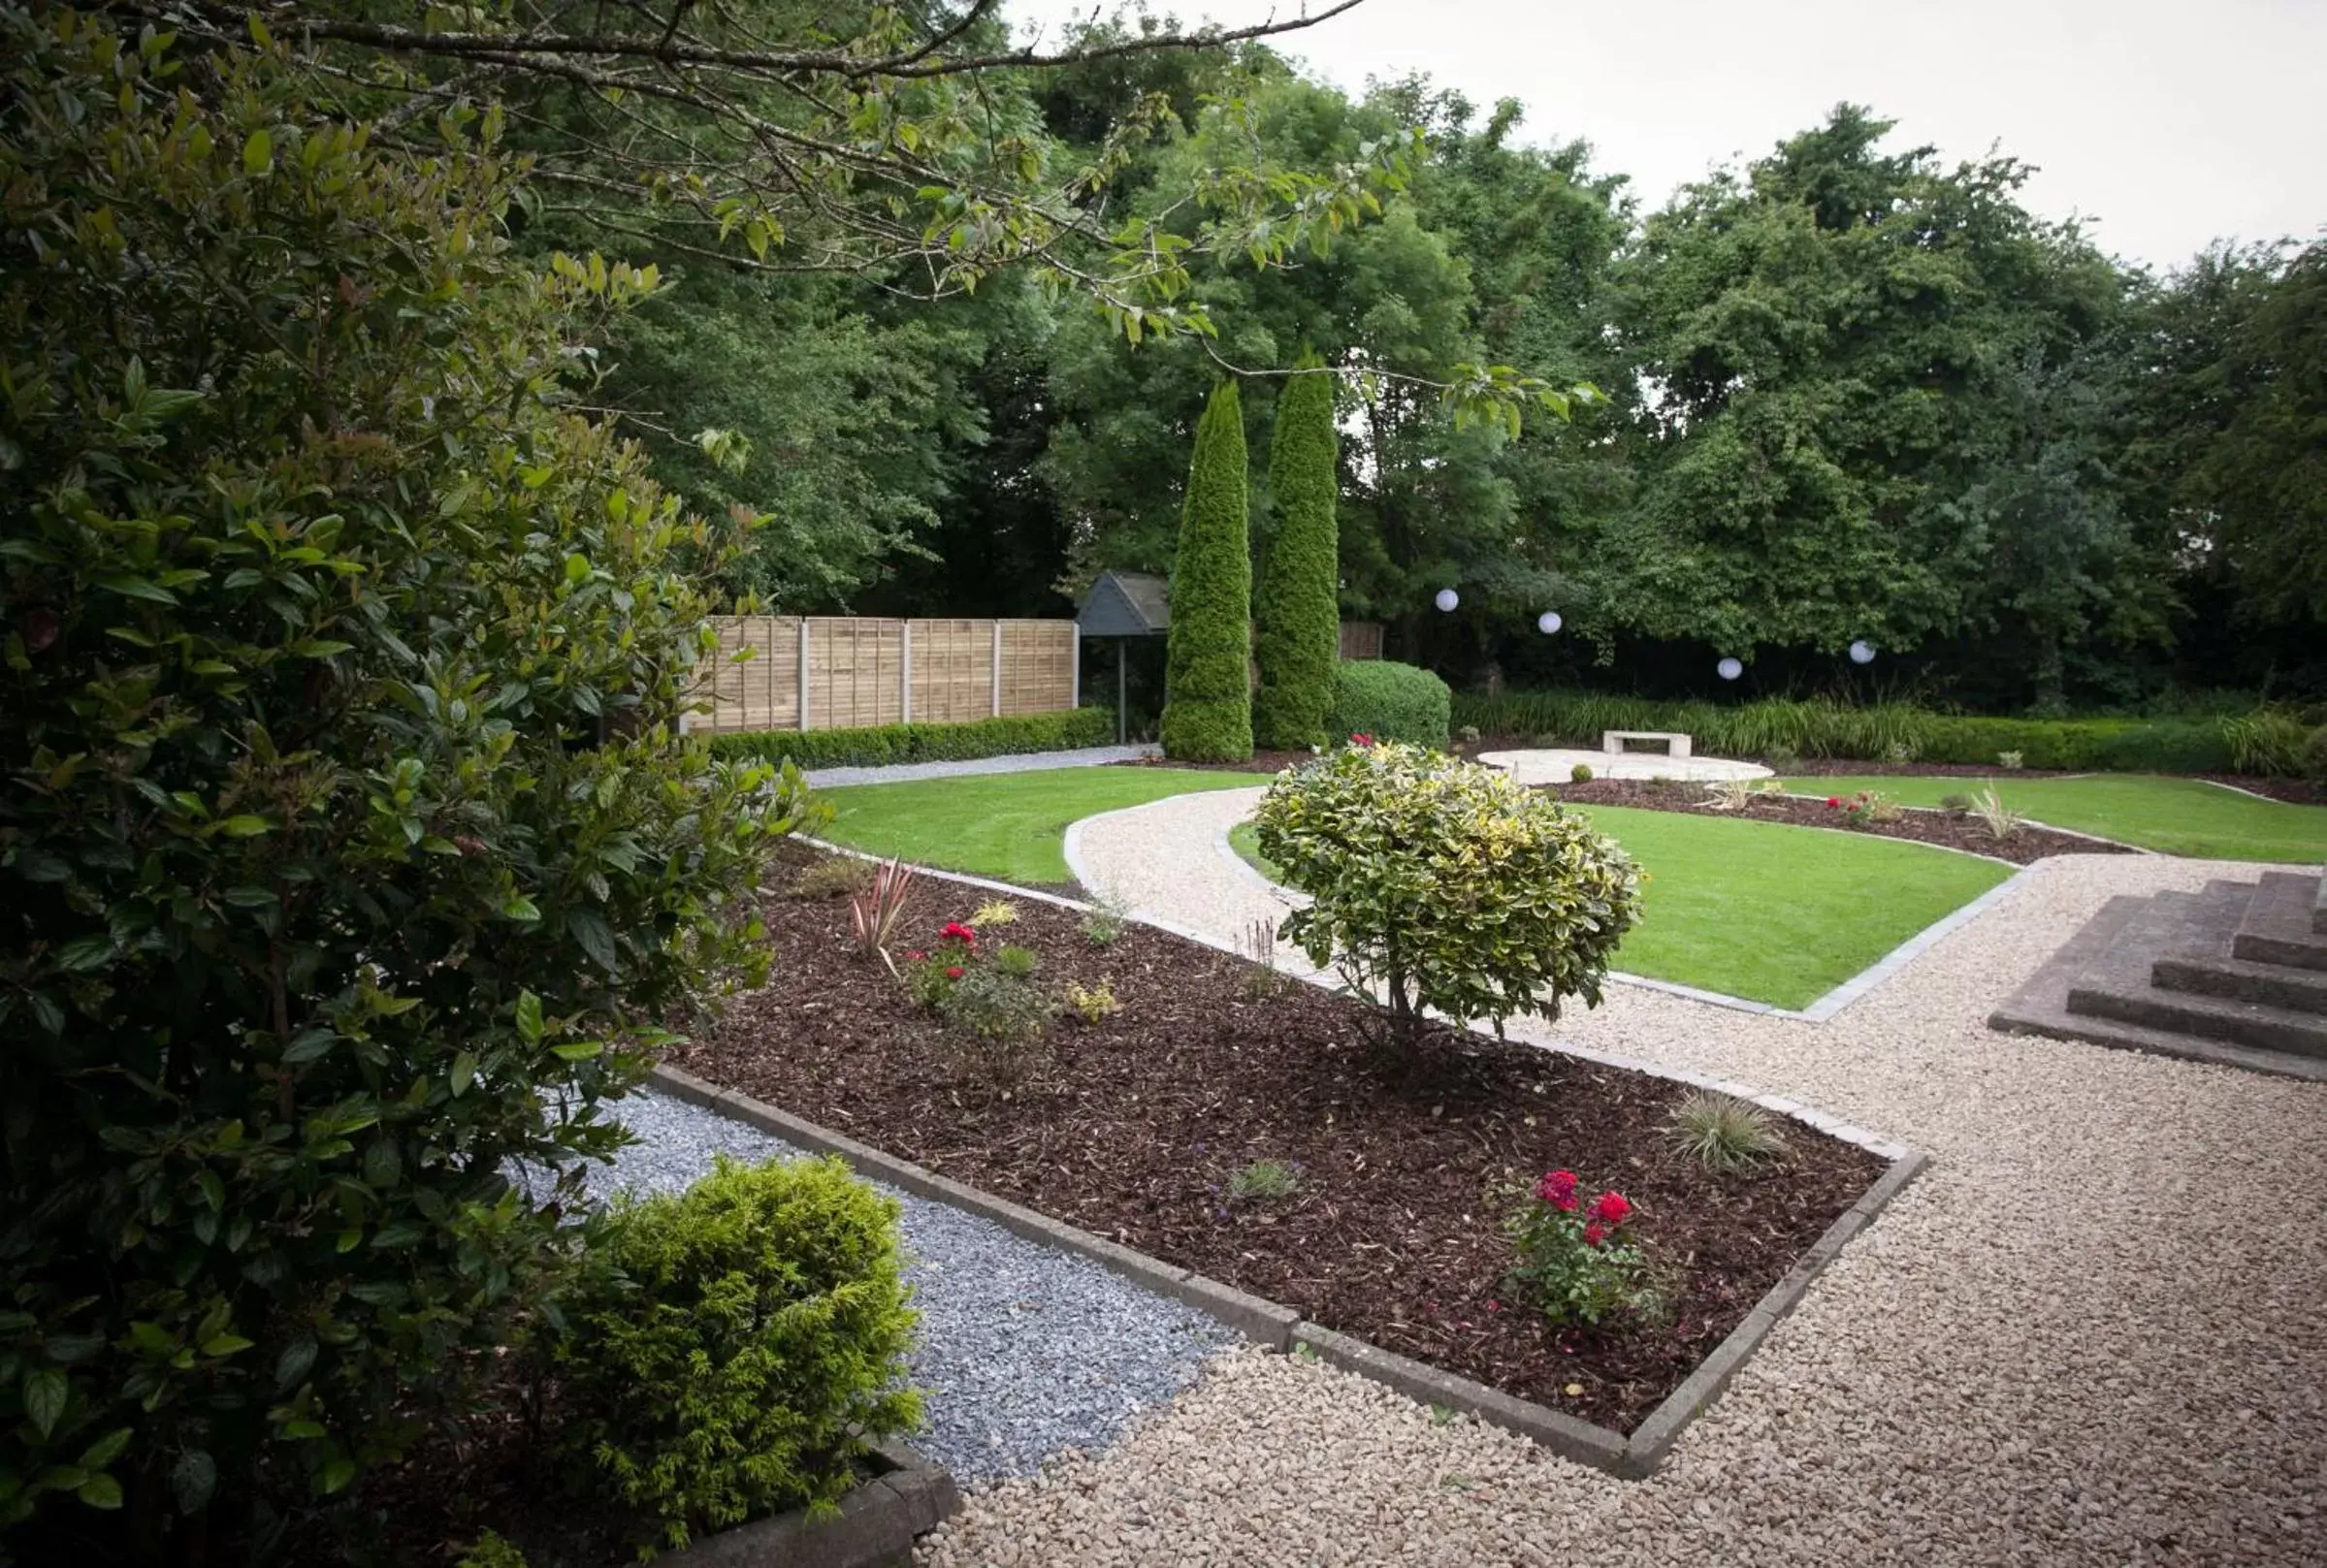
1595,1234
1612,1208
1558,1189
955,972
1834,801
1361,739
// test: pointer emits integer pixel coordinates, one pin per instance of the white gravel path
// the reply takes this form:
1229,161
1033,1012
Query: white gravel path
2095,1333
1089,757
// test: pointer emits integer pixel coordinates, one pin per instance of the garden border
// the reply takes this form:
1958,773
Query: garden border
1283,1328
876,1525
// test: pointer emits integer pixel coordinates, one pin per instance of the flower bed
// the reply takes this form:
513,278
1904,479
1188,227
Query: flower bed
1240,1124
1954,830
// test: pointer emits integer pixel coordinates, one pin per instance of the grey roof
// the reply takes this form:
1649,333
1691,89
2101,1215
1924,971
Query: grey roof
1125,604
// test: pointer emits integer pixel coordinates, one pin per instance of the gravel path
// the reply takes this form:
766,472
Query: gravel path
1089,757
2094,1332
1025,1352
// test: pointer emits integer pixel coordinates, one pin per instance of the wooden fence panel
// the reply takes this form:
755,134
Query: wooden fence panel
953,671
1361,639
855,671
1038,666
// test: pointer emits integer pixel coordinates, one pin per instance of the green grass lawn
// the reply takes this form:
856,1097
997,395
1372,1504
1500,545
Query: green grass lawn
1759,909
2182,816
1006,825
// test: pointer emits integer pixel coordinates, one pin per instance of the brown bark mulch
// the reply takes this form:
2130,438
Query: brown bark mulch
1956,831
1134,1126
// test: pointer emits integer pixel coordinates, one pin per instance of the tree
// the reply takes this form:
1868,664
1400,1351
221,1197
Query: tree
1208,706
1297,612
350,854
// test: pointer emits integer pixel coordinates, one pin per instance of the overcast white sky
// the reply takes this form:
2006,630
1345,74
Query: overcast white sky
2165,123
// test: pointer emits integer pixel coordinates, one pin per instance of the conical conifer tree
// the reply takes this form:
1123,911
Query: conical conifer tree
1207,708
1297,612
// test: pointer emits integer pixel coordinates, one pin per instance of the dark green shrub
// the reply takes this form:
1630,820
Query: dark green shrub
1207,686
2314,756
1296,612
1440,884
879,745
731,1349
346,850
1581,773
1390,702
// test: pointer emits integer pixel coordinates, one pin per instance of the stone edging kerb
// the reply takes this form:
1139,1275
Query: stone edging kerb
1283,1328
875,1526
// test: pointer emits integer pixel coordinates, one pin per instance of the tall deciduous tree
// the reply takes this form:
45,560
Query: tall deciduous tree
1296,612
1207,708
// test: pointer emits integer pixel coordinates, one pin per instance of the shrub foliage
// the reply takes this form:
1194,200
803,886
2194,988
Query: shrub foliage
1390,702
732,1348
348,850
1208,706
1441,883
880,744
1296,612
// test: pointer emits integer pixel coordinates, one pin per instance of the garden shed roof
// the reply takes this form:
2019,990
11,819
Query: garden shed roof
1125,604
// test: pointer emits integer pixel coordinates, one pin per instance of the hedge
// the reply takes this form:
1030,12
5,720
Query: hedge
1820,727
884,744
1208,684
1390,702
1296,610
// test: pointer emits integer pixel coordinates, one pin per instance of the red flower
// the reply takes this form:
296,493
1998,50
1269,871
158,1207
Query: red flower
954,972
1595,1234
1361,739
1612,1208
1558,1189
916,957
959,932
1834,801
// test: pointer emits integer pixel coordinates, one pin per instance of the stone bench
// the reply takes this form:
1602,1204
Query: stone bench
1616,742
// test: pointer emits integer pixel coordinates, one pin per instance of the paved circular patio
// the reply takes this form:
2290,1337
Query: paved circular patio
1558,765
2093,1333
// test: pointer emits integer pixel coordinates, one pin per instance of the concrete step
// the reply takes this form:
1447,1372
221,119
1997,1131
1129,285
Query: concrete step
2274,985
2278,927
2040,1007
2120,984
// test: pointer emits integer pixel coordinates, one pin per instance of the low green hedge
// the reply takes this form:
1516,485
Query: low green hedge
1820,727
1390,702
882,745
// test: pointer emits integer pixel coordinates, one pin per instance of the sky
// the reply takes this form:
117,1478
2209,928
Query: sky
2164,126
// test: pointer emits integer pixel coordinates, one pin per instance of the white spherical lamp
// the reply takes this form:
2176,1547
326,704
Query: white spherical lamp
1862,652
1548,622
1728,669
1447,598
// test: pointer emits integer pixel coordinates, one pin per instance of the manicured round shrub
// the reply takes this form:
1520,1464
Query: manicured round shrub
1438,882
1581,773
1296,612
1390,702
731,1350
1208,707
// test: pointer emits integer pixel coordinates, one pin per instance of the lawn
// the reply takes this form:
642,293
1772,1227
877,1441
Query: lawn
1774,913
2184,816
1006,825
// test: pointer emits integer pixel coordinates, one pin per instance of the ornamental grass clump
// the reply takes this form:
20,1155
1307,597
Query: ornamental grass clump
732,1350
1723,1133
1578,1262
1439,883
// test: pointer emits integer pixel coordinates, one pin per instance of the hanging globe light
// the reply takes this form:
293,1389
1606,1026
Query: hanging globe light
1548,622
1862,652
1728,669
1447,598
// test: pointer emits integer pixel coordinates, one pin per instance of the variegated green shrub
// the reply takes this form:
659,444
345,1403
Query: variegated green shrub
1439,883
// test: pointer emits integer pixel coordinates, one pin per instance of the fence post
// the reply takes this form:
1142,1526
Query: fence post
1073,665
803,672
997,669
905,680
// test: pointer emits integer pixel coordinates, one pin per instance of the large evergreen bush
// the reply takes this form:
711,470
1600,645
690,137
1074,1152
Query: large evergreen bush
1207,708
1297,623
348,854
1389,701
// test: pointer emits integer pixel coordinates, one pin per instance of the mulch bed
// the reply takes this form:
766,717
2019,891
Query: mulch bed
1134,1126
1257,762
1954,830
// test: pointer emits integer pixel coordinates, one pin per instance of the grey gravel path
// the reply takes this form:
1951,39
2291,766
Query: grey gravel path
2094,1333
1025,1352
1090,757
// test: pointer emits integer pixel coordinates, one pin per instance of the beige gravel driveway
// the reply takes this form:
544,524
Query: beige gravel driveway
2095,1333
